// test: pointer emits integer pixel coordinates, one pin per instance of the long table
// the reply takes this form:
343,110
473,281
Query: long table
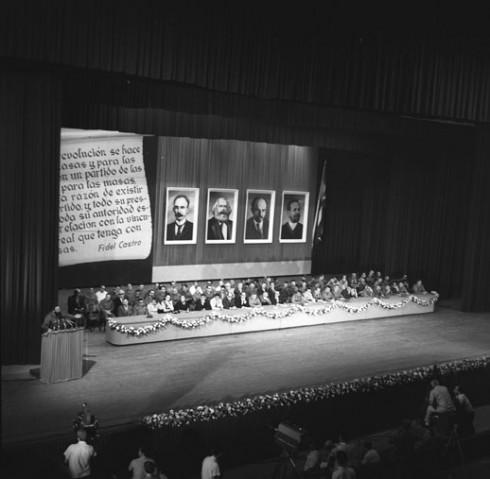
143,329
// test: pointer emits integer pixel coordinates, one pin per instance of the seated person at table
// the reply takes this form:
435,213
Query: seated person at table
439,401
284,293
216,302
327,294
254,301
297,297
168,305
308,296
264,299
124,309
386,290
152,307
273,293
140,308
150,296
367,292
229,299
200,303
402,289
418,288
242,301
182,304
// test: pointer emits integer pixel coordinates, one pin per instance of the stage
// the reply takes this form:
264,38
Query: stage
123,384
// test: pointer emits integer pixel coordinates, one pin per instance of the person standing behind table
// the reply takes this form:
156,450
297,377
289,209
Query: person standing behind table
220,227
78,456
181,229
137,466
257,227
292,229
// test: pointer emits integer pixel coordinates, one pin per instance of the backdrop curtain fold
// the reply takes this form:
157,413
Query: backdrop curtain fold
30,111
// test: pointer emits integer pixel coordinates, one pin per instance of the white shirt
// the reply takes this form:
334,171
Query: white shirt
152,308
100,295
137,467
210,468
224,230
216,303
78,458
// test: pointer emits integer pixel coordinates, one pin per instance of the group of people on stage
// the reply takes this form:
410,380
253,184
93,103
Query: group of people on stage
171,298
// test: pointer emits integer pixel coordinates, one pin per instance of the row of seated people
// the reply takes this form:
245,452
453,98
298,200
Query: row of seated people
234,294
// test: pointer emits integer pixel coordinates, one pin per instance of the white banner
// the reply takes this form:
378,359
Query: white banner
105,209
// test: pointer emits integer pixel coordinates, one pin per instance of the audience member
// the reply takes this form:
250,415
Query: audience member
210,468
465,414
86,421
137,466
440,401
78,456
152,471
342,471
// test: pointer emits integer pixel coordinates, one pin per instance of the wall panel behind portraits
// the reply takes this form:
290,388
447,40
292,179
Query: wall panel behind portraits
228,164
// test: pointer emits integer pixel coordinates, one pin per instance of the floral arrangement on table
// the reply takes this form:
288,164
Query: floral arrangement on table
282,311
204,413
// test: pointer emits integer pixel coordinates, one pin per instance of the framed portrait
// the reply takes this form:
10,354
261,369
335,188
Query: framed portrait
294,216
221,216
181,213
259,216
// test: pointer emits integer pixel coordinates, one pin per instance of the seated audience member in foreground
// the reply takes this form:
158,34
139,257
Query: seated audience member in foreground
210,467
465,414
78,456
418,288
312,462
440,401
342,470
152,471
137,466
371,456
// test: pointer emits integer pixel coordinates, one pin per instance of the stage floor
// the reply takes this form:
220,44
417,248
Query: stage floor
123,384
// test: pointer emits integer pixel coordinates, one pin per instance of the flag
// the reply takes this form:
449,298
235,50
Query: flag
319,223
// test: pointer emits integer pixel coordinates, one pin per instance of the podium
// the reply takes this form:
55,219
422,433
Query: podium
62,355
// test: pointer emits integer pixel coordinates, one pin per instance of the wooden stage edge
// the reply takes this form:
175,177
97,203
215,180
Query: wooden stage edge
141,329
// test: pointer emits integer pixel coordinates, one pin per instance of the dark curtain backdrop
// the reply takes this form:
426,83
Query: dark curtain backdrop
407,212
476,295
30,111
392,58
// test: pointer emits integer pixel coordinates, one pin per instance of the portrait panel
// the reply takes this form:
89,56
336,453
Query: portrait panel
259,216
181,214
221,216
294,216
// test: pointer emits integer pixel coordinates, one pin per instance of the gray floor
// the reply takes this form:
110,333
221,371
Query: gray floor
124,383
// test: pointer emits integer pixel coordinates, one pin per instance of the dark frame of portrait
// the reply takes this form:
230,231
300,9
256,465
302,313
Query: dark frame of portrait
189,234
231,195
249,234
286,235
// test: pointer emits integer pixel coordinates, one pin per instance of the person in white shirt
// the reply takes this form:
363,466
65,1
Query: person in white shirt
216,302
79,455
210,467
439,401
136,466
101,293
152,307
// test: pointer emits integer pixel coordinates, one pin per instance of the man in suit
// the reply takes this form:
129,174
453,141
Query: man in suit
257,227
292,229
181,229
220,227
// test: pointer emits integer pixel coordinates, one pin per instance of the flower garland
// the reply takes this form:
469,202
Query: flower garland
283,312
204,413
